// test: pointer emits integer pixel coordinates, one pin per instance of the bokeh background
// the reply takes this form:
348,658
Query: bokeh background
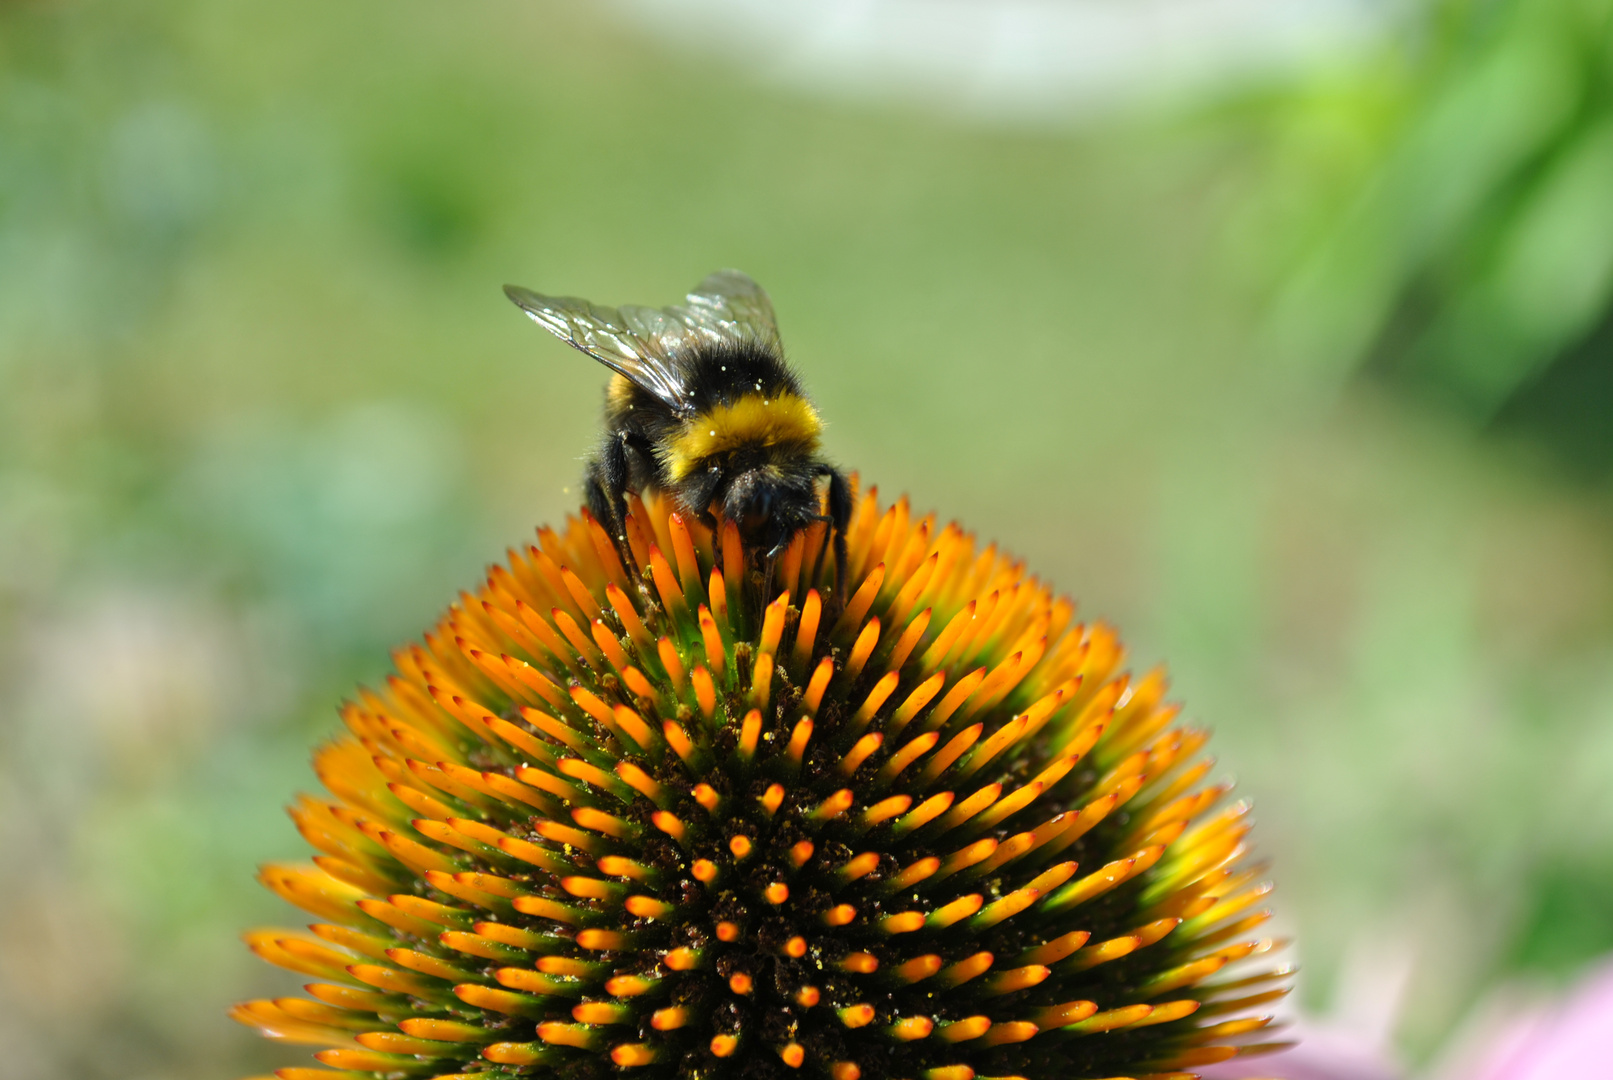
1278,332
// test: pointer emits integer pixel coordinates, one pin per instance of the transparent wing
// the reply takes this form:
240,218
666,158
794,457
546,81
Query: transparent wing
651,345
729,307
640,343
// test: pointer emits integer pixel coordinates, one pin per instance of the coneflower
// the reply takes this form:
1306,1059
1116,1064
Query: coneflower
655,822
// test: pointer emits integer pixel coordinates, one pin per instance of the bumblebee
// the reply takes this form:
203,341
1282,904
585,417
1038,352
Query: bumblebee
703,406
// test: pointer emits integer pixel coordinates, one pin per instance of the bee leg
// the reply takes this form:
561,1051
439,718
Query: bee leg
839,521
769,571
607,491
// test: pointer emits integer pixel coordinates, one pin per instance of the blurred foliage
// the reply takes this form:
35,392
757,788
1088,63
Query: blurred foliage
263,409
1456,234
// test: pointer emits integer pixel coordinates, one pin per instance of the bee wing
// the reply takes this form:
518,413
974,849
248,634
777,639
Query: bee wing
642,344
728,307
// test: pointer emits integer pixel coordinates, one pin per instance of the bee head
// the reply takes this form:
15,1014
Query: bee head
770,504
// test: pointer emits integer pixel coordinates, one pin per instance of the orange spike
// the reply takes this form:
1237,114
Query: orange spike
833,806
724,1045
1103,952
739,983
666,585
672,663
882,690
915,873
601,822
557,730
921,696
902,923
789,563
839,915
1069,1013
924,812
669,1019
715,657
910,1028
856,1016
948,637
617,866
1005,907
568,966
604,550
704,870
641,781
949,753
630,1055
1013,804
960,692
798,740
762,679
886,809
907,754
800,853
578,769
669,824
707,796
1051,952
717,590
609,646
772,798
995,744
705,691
818,684
750,730
918,968
579,592
860,752
793,1054
862,599
773,623
1109,1021
683,551
906,643
577,885
678,739
971,806
733,554
859,866
579,640
628,614
806,631
862,649
727,931
628,986
542,633
1022,978
1014,1031
496,1000
807,996
959,909
646,908
966,969
796,947
436,1030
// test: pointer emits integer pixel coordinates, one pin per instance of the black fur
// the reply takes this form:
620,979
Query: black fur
770,493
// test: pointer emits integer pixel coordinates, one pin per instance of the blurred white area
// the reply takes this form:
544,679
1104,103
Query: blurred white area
1018,61
1353,1037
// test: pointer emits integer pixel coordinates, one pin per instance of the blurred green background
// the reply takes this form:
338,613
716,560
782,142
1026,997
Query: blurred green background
1302,375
